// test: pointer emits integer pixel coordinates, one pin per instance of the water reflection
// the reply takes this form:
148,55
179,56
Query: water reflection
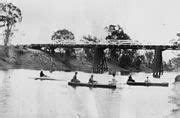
175,99
21,96
5,93
111,103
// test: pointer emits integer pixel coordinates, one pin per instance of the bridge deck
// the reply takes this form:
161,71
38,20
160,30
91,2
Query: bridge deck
163,47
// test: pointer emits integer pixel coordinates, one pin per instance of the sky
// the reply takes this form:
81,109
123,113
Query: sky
148,21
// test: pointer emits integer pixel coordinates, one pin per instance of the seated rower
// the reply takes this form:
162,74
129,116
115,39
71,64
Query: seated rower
130,79
91,81
147,80
114,81
74,79
42,74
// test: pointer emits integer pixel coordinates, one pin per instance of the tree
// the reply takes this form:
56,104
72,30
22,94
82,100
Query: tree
11,16
168,66
137,62
126,60
149,57
175,62
89,40
64,36
116,32
114,54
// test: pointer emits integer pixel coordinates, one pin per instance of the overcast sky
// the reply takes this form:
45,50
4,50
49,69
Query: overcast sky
148,21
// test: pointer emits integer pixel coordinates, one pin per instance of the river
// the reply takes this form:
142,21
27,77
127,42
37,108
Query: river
23,97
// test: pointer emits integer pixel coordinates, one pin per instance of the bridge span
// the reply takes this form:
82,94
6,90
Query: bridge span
100,65
124,46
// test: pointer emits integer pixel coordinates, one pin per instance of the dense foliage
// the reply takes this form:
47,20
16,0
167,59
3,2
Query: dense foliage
64,36
116,32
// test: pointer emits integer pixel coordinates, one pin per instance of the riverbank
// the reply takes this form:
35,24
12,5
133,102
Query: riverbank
25,58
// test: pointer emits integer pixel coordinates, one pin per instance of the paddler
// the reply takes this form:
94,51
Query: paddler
91,81
42,74
74,79
147,80
114,81
130,79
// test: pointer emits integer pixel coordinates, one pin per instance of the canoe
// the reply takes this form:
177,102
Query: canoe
45,78
164,84
91,85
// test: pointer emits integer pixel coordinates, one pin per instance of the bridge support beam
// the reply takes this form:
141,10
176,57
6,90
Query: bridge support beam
99,65
157,63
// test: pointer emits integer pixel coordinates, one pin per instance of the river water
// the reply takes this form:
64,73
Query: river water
23,97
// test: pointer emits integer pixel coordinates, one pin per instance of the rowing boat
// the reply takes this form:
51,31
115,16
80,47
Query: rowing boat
164,84
91,85
45,78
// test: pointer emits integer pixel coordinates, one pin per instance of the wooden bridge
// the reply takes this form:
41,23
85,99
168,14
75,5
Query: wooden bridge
100,64
146,47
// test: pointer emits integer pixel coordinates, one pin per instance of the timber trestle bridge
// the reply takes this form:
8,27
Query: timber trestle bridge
100,65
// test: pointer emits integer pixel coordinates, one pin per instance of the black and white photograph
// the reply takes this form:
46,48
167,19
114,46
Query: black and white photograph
89,59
